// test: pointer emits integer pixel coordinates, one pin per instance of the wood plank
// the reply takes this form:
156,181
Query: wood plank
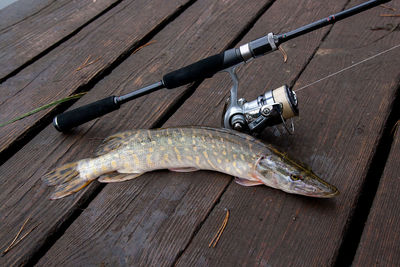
341,121
28,27
20,10
176,45
56,75
151,220
379,245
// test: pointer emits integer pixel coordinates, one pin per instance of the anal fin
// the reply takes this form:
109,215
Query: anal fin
246,182
113,177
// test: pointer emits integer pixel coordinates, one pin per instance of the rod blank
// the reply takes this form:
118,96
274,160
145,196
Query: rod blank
202,69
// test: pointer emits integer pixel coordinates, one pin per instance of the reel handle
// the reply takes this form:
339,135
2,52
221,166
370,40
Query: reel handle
67,120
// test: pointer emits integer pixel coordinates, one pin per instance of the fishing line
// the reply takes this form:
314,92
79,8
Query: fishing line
347,68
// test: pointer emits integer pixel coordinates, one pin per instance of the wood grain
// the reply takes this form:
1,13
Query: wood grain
177,45
29,27
341,121
152,220
379,245
20,10
55,76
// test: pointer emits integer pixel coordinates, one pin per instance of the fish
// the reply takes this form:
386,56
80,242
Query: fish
127,155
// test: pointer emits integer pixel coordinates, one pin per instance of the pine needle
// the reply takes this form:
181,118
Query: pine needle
388,7
221,229
15,241
42,108
393,132
146,44
390,15
19,240
284,54
15,238
86,63
83,64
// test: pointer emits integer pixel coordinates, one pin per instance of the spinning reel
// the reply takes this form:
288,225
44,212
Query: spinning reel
269,109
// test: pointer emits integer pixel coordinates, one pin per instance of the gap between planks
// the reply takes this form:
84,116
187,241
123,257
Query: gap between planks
39,125
50,240
356,223
56,44
179,255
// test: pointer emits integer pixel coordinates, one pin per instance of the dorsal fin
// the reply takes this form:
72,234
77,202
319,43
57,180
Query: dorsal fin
115,141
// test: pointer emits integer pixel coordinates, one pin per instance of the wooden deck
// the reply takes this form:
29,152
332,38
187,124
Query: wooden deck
163,218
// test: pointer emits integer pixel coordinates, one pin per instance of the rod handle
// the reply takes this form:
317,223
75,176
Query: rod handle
202,69
70,119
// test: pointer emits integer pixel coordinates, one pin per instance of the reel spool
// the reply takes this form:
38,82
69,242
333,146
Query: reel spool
271,108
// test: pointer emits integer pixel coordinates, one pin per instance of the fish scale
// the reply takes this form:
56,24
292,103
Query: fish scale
179,153
127,155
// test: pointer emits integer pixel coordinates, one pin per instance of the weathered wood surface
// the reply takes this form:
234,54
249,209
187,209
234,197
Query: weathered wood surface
340,124
28,28
189,38
380,242
164,218
20,10
56,75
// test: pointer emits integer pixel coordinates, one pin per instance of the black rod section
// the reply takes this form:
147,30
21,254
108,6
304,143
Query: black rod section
279,39
72,118
140,92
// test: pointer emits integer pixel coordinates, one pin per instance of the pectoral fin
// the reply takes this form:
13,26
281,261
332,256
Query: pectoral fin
186,169
246,182
117,177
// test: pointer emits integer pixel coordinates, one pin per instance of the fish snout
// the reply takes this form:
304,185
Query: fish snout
323,190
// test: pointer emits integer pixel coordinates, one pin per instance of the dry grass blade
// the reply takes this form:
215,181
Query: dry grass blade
221,229
42,108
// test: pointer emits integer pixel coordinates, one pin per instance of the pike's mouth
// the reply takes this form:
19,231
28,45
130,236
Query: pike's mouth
329,192
333,193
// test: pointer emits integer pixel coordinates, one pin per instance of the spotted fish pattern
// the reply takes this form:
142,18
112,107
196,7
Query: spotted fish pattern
127,155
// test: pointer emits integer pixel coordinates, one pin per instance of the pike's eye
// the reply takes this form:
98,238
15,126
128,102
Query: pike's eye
295,177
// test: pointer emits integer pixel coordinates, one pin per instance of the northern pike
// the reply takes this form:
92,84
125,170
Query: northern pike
127,155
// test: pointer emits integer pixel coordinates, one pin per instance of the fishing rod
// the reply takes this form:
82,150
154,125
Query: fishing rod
271,108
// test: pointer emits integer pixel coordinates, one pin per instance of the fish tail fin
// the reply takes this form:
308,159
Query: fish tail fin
61,175
66,179
70,187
